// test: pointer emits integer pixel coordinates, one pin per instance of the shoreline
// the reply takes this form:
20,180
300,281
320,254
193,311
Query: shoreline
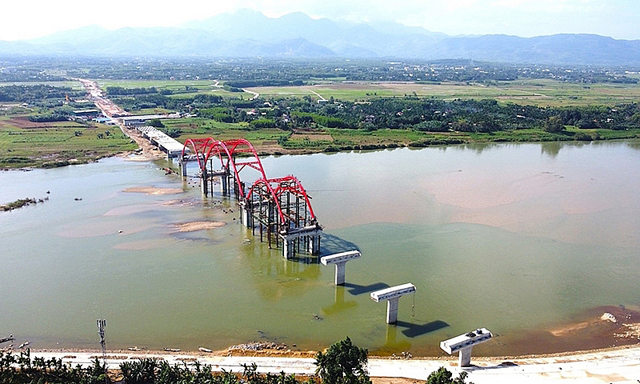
620,364
125,354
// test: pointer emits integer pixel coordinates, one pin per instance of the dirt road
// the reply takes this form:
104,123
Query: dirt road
620,365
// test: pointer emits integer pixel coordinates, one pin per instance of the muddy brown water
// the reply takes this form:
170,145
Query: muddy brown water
520,239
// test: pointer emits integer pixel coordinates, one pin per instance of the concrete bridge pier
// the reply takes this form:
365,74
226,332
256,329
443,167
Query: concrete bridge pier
464,357
288,248
314,245
340,261
290,237
392,310
246,214
224,185
204,182
392,295
464,343
183,167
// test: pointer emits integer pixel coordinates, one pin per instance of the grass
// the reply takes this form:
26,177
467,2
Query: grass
178,87
57,144
201,128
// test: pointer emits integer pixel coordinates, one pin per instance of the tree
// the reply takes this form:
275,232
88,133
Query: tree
443,376
155,123
343,363
554,124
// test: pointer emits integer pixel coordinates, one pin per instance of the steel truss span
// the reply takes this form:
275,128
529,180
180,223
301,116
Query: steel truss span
279,207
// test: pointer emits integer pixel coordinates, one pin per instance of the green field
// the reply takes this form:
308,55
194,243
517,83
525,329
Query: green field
526,92
23,143
56,144
529,92
178,87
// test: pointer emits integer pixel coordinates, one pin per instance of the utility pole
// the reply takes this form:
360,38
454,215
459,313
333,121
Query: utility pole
102,324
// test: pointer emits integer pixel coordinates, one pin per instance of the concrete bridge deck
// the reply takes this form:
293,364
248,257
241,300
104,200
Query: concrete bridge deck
167,144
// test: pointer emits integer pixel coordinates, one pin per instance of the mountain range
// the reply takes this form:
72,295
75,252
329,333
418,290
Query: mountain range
251,34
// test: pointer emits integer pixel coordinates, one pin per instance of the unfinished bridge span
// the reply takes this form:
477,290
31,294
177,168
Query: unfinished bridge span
278,208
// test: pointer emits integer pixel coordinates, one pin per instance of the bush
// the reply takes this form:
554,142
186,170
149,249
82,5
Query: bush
343,363
443,376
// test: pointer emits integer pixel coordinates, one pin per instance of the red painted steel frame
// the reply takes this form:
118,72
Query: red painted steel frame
204,148
279,186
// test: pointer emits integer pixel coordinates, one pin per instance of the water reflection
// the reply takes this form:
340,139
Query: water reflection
392,344
339,305
275,277
551,148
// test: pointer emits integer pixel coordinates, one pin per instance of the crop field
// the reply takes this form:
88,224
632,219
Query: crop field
25,143
180,88
200,128
529,92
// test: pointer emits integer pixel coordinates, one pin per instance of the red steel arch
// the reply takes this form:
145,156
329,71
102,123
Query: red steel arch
278,187
199,147
226,151
243,146
204,148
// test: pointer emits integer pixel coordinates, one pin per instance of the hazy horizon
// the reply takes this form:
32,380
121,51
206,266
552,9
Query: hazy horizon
524,18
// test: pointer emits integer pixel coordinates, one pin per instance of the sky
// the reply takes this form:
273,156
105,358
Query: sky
619,19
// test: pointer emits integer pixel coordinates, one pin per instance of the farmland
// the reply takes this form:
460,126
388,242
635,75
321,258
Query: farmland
525,92
285,107
24,143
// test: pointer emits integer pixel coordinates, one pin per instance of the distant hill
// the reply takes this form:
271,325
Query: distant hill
249,33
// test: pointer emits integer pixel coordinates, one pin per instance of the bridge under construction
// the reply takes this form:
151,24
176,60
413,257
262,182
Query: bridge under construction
278,209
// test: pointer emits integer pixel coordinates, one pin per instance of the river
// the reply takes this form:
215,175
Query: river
511,237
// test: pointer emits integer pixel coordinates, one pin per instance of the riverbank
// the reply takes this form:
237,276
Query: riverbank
598,330
603,366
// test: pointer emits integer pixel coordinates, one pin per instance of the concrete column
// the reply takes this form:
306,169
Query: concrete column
464,357
246,217
314,245
204,183
340,272
183,168
288,248
392,310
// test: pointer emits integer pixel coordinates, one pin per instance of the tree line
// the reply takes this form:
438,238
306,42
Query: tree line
409,112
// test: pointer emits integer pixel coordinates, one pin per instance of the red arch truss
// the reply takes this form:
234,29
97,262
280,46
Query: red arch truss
276,189
199,147
226,151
